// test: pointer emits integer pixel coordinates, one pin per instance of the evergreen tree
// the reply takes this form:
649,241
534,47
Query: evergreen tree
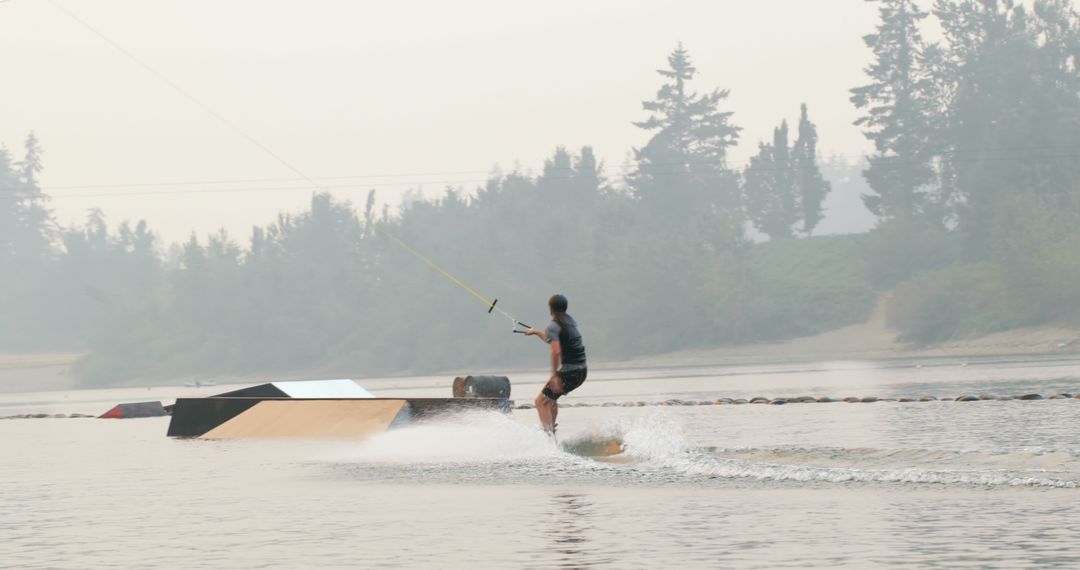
1014,117
771,201
10,188
27,231
783,184
587,177
26,225
898,113
811,186
569,182
682,173
31,164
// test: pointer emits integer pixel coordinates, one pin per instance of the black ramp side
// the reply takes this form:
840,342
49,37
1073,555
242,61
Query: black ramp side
193,417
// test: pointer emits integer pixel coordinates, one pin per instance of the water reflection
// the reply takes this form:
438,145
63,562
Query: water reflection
570,518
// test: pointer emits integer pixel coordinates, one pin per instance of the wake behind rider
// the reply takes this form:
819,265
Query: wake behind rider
568,369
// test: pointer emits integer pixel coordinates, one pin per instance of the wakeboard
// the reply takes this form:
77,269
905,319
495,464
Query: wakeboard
594,447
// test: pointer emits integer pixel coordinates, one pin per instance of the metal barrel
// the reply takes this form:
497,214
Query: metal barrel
485,387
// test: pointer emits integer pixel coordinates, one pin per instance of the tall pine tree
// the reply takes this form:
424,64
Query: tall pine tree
770,194
682,176
811,186
783,184
1014,118
898,113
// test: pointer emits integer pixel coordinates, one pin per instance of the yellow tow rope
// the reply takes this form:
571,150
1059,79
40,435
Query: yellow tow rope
489,303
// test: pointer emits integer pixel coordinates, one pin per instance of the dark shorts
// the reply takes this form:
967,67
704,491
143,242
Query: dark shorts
570,381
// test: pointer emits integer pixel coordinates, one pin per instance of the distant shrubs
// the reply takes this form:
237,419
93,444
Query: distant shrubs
898,249
1038,242
954,302
807,286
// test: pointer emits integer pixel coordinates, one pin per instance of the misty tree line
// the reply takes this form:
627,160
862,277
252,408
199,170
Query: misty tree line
973,181
976,171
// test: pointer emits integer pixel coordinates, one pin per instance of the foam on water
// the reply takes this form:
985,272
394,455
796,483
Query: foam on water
492,446
663,444
468,437
704,464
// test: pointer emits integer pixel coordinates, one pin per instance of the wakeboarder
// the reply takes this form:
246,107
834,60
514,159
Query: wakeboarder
568,369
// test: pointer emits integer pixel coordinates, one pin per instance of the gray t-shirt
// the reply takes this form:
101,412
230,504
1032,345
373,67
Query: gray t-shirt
573,349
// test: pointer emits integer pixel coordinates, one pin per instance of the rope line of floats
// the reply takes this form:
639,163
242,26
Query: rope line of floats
722,402
808,400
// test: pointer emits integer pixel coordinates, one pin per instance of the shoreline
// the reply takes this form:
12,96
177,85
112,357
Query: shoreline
868,341
1029,342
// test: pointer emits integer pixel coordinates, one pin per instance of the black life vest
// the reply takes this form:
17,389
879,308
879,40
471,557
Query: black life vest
573,349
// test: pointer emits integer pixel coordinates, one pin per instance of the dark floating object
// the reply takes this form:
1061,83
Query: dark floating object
967,398
135,410
44,416
481,387
1030,397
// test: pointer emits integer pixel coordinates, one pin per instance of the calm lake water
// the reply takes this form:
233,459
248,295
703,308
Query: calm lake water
887,484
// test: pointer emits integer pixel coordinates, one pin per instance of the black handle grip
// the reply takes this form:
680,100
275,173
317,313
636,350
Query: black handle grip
492,307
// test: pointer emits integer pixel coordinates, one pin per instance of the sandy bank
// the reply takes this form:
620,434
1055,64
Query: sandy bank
37,371
871,340
874,340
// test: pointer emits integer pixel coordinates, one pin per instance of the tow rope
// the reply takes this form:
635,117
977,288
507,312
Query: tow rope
489,303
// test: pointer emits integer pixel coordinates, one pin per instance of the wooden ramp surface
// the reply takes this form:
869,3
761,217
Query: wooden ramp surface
310,418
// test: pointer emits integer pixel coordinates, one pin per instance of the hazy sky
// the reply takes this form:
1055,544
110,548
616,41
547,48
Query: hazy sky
386,92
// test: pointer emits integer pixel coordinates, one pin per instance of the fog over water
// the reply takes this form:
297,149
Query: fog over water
343,89
820,268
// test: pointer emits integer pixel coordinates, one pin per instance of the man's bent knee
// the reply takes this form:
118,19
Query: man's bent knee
553,389
552,394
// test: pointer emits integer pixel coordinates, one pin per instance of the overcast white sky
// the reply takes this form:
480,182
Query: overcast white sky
376,88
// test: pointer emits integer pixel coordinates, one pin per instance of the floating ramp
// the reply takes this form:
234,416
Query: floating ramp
311,418
223,417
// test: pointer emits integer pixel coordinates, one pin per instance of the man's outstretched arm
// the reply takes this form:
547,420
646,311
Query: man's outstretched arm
542,335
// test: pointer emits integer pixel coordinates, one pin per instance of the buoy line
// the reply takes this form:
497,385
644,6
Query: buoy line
808,400
723,402
45,416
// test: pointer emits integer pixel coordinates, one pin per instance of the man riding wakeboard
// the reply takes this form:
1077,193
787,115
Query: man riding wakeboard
568,369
